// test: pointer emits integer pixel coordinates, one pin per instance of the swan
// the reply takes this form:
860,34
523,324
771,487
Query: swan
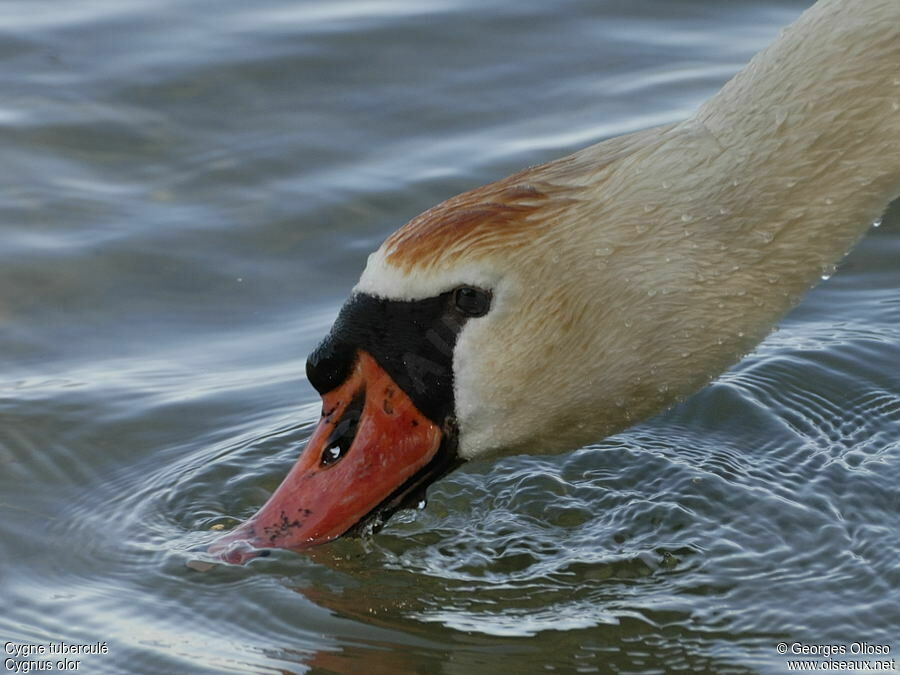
566,302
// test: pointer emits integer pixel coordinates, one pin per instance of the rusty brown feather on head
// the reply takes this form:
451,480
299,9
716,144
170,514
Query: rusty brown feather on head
510,213
505,214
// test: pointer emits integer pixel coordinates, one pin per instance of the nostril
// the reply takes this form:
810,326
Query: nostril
341,438
339,442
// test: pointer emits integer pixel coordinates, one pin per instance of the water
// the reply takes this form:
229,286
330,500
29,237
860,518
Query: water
188,191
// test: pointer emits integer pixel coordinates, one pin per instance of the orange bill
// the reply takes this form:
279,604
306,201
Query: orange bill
366,456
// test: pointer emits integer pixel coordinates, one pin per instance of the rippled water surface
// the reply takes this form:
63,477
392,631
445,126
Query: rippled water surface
189,189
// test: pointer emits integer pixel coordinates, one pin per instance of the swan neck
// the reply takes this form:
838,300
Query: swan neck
821,104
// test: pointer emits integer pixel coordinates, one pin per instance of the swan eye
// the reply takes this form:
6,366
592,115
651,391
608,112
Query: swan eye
472,301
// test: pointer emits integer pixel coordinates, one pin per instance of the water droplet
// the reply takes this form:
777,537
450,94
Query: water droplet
652,292
766,236
605,251
628,323
735,182
789,184
723,211
876,222
666,185
828,272
663,388
740,333
684,355
686,218
829,201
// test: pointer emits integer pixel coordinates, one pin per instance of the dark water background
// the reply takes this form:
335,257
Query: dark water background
189,189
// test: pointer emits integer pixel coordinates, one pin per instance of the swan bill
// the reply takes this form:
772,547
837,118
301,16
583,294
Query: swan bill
371,454
387,430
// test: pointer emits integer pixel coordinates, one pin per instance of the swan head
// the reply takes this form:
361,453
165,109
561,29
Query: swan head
536,314
504,320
